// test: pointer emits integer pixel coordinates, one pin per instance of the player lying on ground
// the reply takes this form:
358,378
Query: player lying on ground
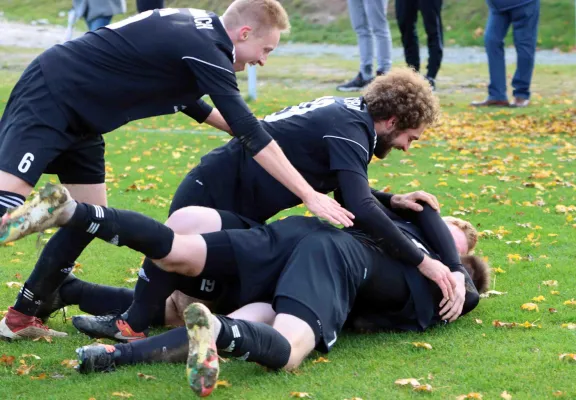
73,93
329,140
311,270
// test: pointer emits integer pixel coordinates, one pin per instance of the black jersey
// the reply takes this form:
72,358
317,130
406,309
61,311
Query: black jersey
319,138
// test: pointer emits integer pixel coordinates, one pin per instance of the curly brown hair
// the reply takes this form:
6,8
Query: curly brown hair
404,94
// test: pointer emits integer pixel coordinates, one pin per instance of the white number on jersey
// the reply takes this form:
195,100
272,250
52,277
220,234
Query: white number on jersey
26,163
300,109
201,18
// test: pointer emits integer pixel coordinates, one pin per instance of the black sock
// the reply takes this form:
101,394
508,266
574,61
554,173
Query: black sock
169,347
55,263
124,228
154,286
253,341
96,299
9,200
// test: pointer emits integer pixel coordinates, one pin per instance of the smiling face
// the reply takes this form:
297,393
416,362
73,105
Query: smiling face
391,138
253,47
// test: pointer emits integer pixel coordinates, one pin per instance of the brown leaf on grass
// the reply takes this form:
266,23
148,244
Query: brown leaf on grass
69,363
423,345
530,307
24,369
18,276
47,339
12,285
407,381
478,32
527,325
471,395
505,395
145,377
7,360
552,310
568,357
122,394
300,395
223,383
423,388
40,377
320,360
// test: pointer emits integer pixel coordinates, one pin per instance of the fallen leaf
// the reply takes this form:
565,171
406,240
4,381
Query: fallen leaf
527,325
18,276
7,360
407,381
122,394
40,377
539,299
570,302
30,355
69,363
530,307
12,285
550,283
478,321
490,293
568,356
471,395
299,395
24,369
554,292
498,270
47,339
320,360
505,395
146,377
552,310
558,393
426,346
223,384
570,326
423,388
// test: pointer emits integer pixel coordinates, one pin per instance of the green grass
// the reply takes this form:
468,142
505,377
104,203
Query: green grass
480,164
461,20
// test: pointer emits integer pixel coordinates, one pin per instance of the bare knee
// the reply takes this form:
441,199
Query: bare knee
12,183
300,336
187,256
194,220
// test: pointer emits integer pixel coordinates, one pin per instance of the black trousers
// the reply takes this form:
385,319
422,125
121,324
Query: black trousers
145,5
407,16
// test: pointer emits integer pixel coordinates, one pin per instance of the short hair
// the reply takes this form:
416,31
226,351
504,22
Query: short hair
469,231
479,271
404,94
259,14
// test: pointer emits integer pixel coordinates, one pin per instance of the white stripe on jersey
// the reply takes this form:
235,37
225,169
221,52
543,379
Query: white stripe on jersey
207,63
350,140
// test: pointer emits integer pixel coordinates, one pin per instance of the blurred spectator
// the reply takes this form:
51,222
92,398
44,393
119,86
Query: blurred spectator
369,20
407,16
98,13
145,5
523,15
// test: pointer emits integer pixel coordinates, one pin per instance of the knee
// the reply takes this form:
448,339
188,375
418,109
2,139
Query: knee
178,221
491,41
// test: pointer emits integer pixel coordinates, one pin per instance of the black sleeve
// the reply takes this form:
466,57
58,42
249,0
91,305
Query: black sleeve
383,197
358,199
436,234
472,296
198,110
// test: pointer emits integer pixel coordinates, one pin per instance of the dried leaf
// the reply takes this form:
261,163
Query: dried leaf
69,363
568,356
554,292
478,321
552,310
490,293
40,377
12,285
223,383
47,339
570,302
30,355
558,393
471,395
423,388
122,394
320,360
550,283
24,369
145,377
7,360
408,381
530,307
505,395
423,345
570,326
538,299
299,395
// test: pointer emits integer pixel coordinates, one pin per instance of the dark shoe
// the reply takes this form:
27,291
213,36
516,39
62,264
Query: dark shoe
54,302
355,85
96,358
490,103
107,326
519,102
432,82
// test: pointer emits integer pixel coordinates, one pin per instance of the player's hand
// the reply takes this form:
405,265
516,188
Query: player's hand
441,275
326,207
409,201
453,308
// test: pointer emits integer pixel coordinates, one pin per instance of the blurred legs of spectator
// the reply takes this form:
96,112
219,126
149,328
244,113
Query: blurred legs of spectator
98,23
369,20
407,16
524,20
145,5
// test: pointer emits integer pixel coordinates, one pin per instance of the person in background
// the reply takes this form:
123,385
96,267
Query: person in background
368,18
407,16
523,15
98,13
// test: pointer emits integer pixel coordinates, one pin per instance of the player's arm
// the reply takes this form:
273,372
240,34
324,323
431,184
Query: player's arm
203,112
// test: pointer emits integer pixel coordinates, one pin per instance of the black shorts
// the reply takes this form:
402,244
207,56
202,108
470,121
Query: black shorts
35,137
302,259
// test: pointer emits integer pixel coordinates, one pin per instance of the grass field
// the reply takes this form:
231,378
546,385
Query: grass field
463,21
510,172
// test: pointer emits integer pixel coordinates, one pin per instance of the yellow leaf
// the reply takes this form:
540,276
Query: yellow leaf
550,283
568,357
135,159
122,394
308,214
47,339
530,307
498,270
570,326
423,388
558,393
415,183
478,321
407,381
24,369
69,363
30,356
505,395
15,260
145,377
471,395
320,360
223,383
423,345
39,377
539,299
571,302
176,155
14,284
554,292
299,395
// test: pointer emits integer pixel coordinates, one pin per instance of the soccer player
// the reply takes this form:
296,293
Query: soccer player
158,62
330,141
311,270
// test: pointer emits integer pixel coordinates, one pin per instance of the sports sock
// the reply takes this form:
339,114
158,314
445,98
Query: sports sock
253,341
96,299
55,263
9,200
124,228
169,347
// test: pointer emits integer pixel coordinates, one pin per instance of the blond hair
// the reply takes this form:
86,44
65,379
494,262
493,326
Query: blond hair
261,15
404,94
469,231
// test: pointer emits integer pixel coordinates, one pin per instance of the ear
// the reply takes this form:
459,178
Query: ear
391,122
244,33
